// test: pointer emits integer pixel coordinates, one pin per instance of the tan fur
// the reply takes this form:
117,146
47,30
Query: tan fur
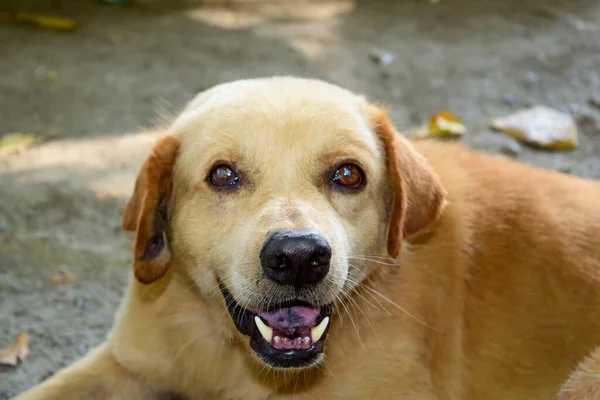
491,290
153,185
418,195
584,382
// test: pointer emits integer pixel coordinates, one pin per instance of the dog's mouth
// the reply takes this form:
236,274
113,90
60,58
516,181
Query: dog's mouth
288,335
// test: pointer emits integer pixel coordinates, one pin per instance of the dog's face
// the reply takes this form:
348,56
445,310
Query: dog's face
271,195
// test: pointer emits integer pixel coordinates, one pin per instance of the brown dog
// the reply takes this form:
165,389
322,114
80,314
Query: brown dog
584,382
290,244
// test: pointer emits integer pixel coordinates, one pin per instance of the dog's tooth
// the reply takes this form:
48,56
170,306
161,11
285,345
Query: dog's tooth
319,330
306,340
277,340
265,331
298,342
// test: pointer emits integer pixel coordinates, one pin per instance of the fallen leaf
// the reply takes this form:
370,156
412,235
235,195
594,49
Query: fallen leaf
382,57
16,142
39,20
17,351
540,126
444,124
62,277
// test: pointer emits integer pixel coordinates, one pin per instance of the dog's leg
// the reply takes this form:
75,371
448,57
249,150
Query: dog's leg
584,382
96,376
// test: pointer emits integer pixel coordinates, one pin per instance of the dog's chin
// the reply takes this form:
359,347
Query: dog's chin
288,335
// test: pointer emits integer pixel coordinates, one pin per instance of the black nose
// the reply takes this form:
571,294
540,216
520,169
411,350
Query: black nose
295,257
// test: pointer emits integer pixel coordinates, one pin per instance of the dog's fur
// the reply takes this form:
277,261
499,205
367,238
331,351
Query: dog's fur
455,275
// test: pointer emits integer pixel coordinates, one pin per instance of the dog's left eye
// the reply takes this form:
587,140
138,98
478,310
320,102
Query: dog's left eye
223,176
350,176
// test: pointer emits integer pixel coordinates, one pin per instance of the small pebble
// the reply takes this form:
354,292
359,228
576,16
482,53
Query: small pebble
509,99
382,57
531,77
511,148
81,349
82,304
566,170
46,375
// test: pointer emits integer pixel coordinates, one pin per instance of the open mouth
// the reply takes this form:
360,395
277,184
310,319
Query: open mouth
288,335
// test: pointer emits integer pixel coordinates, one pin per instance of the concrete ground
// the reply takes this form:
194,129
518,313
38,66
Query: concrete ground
128,67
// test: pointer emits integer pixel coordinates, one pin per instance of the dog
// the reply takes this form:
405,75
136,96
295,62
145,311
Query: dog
291,244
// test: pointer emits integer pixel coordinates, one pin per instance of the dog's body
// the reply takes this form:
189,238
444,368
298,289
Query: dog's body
494,295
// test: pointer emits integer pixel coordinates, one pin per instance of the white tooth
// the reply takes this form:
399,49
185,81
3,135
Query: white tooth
306,340
319,330
277,340
265,331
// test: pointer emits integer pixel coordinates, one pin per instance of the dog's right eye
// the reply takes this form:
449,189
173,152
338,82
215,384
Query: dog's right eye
223,176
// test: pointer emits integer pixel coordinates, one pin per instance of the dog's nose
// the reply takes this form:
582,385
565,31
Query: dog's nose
295,257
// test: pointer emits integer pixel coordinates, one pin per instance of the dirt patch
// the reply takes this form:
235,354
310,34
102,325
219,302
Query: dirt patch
128,67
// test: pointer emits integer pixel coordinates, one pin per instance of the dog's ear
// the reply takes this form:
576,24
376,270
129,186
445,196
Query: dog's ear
418,196
146,213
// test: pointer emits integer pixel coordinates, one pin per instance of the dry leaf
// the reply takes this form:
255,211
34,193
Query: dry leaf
62,277
17,351
48,22
540,126
16,142
444,124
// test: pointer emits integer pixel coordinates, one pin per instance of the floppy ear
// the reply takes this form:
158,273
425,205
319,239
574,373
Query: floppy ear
419,197
146,212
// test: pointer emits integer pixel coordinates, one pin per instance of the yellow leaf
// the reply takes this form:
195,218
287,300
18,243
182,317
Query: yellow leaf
17,142
444,124
540,126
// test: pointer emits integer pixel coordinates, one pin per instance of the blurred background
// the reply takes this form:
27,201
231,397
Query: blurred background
80,80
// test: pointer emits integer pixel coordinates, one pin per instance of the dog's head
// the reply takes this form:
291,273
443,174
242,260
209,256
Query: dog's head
272,195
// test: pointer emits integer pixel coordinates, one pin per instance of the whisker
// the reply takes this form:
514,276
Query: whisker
353,323
371,256
401,308
366,318
374,261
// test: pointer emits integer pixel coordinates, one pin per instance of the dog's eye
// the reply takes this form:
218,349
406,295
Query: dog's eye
223,176
349,176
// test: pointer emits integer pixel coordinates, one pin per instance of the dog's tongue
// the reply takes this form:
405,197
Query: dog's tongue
291,317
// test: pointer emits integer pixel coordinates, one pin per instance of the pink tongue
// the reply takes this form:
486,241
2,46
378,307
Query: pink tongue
291,317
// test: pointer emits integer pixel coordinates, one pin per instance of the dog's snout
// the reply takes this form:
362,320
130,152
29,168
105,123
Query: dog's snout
295,257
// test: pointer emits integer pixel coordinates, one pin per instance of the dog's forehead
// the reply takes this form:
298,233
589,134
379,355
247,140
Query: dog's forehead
279,110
